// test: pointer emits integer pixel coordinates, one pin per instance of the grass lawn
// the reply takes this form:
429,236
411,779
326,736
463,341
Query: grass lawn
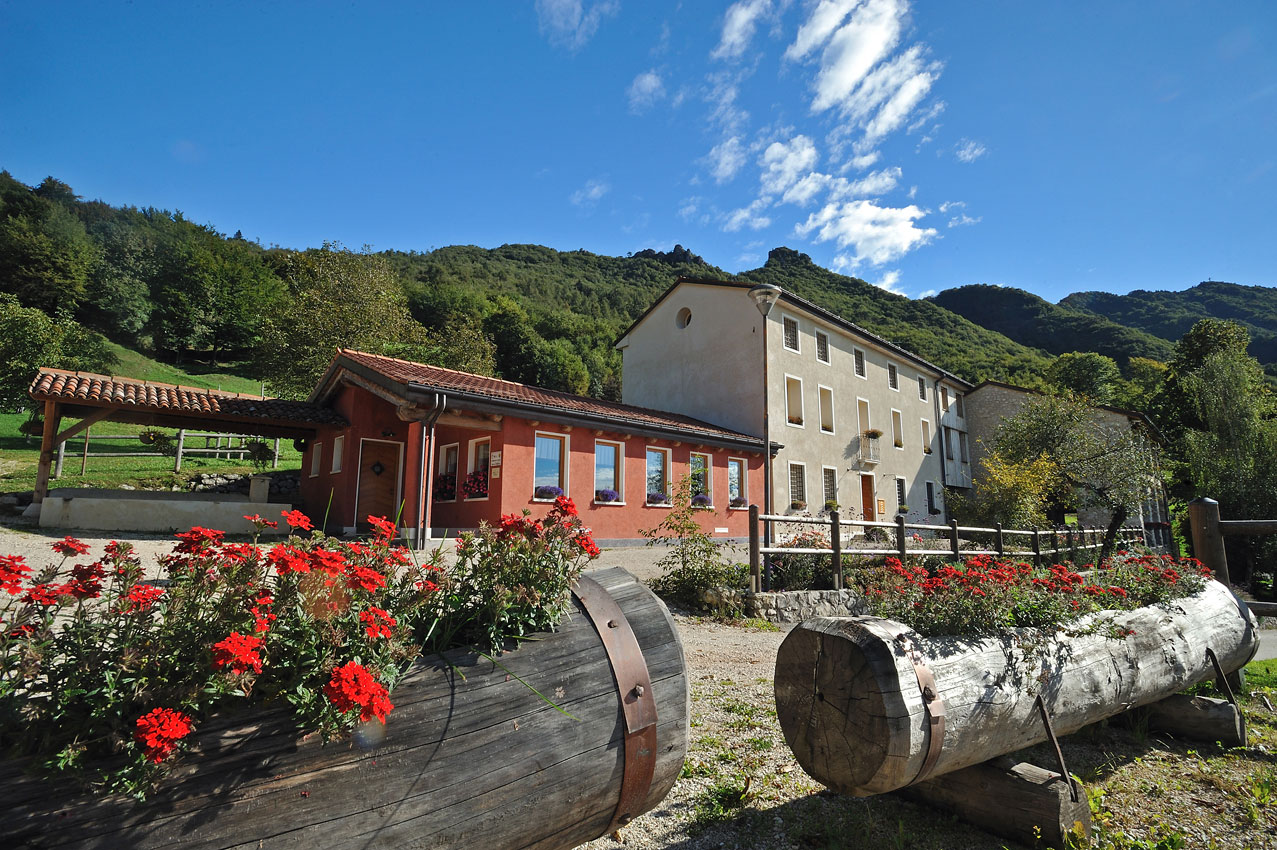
135,365
20,456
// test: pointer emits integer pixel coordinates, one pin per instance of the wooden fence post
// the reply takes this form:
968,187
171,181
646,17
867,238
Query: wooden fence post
274,464
181,443
953,537
755,573
84,458
1037,548
1208,542
901,551
835,540
997,539
1069,544
62,453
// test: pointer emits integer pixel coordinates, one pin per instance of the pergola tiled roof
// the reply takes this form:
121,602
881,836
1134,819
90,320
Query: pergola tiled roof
528,401
148,402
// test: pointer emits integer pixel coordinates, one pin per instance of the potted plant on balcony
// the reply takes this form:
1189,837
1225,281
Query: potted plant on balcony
873,433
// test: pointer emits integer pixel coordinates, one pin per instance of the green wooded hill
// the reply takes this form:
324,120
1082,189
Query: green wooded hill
1170,315
1031,320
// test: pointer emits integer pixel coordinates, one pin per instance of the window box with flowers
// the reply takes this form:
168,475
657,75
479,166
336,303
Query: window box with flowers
702,501
247,651
445,489
658,499
738,502
547,493
607,497
476,485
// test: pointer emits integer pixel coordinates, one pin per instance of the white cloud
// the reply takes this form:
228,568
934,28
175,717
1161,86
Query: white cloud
875,183
931,112
726,158
863,161
854,49
645,91
912,193
724,88
748,259
750,216
890,281
876,235
926,293
591,193
785,162
969,150
739,23
964,220
815,31
951,205
806,188
568,23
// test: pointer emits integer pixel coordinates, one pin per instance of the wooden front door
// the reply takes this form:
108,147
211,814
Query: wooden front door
379,472
867,496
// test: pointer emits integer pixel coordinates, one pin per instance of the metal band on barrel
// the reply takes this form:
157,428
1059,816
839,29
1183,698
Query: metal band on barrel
931,702
634,687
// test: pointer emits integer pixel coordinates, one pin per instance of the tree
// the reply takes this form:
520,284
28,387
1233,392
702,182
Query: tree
30,339
338,298
1090,375
1103,463
46,257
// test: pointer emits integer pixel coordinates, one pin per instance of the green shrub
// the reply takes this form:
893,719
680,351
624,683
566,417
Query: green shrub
695,562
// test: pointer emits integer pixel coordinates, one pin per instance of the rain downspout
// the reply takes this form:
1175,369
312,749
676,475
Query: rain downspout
424,491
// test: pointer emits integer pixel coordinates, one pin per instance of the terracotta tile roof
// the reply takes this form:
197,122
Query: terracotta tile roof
498,390
109,390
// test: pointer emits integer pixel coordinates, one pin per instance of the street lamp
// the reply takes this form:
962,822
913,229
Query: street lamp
764,296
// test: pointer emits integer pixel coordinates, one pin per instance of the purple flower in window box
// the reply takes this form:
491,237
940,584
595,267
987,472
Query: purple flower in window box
739,503
547,492
658,499
606,496
701,500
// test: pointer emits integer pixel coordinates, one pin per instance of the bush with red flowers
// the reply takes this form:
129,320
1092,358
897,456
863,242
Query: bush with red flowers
476,485
104,676
984,596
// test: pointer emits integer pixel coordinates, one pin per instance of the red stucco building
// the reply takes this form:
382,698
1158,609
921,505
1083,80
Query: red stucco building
488,447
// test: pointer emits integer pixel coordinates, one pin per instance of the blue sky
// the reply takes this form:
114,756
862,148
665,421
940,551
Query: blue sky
1054,147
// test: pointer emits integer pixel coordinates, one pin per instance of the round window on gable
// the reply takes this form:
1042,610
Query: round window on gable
683,318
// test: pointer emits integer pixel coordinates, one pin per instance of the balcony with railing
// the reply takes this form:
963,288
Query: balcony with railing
869,451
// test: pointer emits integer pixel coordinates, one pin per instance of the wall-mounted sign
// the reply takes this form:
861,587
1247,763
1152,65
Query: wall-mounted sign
494,473
882,507
494,459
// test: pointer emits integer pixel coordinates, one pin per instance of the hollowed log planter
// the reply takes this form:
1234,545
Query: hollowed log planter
850,690
481,763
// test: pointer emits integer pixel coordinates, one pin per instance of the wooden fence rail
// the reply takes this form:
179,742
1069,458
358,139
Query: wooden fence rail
1208,532
213,445
1041,542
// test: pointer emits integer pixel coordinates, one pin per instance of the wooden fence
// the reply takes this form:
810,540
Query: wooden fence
1040,543
1208,532
233,445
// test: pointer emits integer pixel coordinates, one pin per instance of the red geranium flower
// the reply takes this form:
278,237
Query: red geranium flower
70,546
261,611
257,520
378,623
13,570
364,577
352,686
286,559
296,519
198,540
386,529
330,562
159,730
566,505
47,594
239,653
141,597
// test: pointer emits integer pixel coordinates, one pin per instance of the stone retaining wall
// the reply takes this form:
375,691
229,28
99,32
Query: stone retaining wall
788,607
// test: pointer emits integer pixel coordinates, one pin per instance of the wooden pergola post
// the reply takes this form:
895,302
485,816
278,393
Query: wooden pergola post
52,416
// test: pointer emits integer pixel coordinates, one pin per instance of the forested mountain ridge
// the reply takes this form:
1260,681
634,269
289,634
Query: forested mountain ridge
1032,320
1170,315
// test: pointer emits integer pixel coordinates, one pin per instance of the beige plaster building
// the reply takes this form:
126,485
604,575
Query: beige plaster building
860,422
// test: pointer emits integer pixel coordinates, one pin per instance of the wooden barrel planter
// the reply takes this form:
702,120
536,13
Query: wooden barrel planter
852,693
470,757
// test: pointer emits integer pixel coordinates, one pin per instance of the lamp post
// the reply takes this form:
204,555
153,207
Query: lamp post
764,296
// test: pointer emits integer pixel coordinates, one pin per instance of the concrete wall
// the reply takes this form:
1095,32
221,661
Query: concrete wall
164,513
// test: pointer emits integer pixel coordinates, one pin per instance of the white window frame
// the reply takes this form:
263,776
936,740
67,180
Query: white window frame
828,356
864,426
709,472
802,403
744,482
564,461
790,470
933,504
823,491
922,388
316,459
893,377
798,333
668,470
859,364
897,429
618,472
821,390
902,491
472,451
339,447
960,406
439,470
926,434
944,399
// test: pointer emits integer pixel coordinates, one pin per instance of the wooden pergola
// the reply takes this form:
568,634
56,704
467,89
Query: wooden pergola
94,398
